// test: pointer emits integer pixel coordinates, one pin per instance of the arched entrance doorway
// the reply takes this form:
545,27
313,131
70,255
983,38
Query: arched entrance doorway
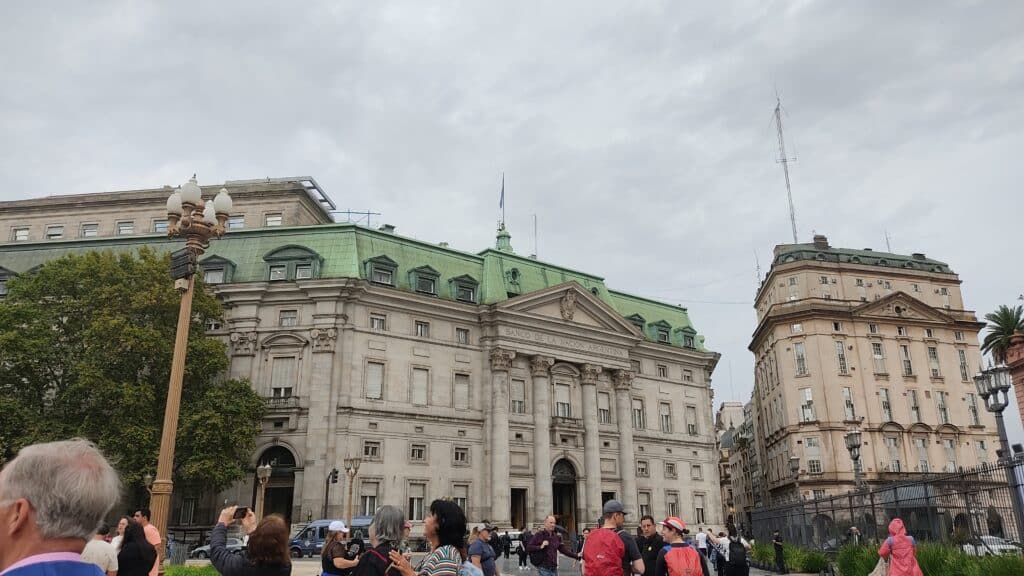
563,491
281,486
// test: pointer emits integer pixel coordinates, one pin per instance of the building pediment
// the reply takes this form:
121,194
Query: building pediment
901,306
572,303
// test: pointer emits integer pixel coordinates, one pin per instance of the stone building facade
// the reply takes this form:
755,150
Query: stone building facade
517,387
858,338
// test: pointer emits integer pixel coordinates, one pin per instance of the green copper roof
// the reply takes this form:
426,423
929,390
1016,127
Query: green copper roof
792,252
344,250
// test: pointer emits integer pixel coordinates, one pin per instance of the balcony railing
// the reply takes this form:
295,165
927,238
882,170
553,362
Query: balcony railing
282,402
566,421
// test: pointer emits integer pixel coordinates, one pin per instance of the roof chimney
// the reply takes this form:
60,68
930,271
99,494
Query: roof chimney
821,242
387,228
443,244
917,256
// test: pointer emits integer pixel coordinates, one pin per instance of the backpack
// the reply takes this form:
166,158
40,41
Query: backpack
604,552
537,557
683,561
737,553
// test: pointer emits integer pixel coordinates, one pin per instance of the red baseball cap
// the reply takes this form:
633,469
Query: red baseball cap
673,523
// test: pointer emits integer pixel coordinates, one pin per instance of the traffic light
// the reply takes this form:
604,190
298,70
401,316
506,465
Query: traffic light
334,476
183,263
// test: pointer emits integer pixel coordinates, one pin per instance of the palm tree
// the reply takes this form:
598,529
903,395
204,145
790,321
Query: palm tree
1002,324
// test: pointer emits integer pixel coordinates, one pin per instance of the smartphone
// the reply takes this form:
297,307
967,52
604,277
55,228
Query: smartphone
241,512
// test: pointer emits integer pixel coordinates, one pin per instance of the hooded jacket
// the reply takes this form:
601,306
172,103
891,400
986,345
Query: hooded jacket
900,550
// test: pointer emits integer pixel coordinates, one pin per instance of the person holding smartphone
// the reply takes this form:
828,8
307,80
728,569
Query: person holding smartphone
385,537
267,550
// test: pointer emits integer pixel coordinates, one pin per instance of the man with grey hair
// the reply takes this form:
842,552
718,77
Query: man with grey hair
53,496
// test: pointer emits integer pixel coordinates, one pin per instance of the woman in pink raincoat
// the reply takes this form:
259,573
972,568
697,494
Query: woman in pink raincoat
900,550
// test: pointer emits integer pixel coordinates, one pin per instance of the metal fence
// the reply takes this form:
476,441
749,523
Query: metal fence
956,507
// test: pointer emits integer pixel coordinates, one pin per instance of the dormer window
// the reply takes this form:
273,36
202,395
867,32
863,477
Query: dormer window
464,288
279,272
217,270
688,342
638,321
292,263
381,270
663,335
688,337
424,280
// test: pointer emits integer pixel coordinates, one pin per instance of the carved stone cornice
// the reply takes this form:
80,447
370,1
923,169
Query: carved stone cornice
540,365
623,379
323,339
589,373
243,343
501,359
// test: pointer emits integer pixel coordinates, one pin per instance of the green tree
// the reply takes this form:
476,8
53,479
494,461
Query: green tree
1001,326
86,343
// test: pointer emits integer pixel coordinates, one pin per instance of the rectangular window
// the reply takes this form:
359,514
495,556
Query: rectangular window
378,322
901,330
958,336
604,412
422,329
460,495
892,445
635,366
837,326
818,494
644,503
687,375
517,393
461,455
807,406
464,293
278,272
368,497
90,230
562,407
282,376
126,228
878,355
54,232
303,272
696,472
928,333
962,356
663,336
872,328
915,287
371,450
940,405
698,509
922,454
381,275
639,420
288,318
823,280
883,394
211,324
972,409
688,342
19,234
662,371
462,335
420,377
665,414
426,285
418,452
848,409
461,391
272,219
213,275
801,359
691,420
160,226
672,503
844,368
814,466
797,328
670,469
374,380
908,366
933,362
949,447
417,495
915,408
642,469
236,222
981,450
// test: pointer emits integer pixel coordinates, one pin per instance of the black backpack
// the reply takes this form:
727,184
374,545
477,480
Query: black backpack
737,553
538,557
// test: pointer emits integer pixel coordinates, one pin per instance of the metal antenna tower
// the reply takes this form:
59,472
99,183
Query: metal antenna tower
361,215
784,160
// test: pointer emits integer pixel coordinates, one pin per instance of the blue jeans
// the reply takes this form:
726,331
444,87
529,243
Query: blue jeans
544,571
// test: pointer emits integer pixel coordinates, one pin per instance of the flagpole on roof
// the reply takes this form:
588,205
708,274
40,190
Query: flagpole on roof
501,201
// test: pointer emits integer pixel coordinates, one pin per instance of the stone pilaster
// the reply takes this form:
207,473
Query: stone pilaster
592,441
501,506
623,380
542,498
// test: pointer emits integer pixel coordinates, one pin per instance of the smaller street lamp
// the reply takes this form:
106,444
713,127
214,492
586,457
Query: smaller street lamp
147,480
262,475
794,467
853,438
351,469
990,384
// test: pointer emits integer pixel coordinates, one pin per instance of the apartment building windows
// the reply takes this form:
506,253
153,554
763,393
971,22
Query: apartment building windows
517,393
563,408
662,371
901,330
460,495
272,219
698,509
371,450
872,328
921,447
796,328
19,234
378,322
460,457
283,377
837,326
461,391
958,336
288,318
883,395
691,420
462,335
672,503
644,503
642,468
687,375
981,450
418,453
962,356
160,226
639,420
665,415
933,362
422,329
90,230
848,410
604,411
126,228
368,492
374,380
878,357
915,406
807,406
54,232
812,451
949,447
801,358
844,368
972,409
908,366
892,446
940,405
696,472
417,496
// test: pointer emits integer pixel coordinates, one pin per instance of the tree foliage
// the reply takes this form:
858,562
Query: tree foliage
1002,324
86,344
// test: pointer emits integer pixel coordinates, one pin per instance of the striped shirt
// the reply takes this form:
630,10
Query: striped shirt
443,561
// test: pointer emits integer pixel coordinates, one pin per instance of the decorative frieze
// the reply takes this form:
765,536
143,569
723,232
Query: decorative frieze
323,339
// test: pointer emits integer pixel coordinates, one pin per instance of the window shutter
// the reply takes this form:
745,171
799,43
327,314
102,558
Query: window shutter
419,386
374,379
462,391
283,373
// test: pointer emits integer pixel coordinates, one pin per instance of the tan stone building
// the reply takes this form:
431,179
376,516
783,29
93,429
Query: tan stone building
849,338
515,386
728,419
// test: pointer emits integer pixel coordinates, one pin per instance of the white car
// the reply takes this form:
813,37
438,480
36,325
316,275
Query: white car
234,545
990,546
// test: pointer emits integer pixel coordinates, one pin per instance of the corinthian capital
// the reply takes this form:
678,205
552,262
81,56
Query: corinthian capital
501,359
539,365
589,373
622,379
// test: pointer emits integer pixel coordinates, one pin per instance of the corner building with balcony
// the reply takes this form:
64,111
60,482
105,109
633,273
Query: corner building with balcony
516,387
858,338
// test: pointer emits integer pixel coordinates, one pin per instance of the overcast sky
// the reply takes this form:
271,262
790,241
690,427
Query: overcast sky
640,133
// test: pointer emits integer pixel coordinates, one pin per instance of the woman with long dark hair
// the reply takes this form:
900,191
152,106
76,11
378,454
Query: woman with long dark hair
137,556
268,553
445,529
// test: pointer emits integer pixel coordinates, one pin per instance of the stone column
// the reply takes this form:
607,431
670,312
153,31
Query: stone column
591,442
539,366
501,506
623,380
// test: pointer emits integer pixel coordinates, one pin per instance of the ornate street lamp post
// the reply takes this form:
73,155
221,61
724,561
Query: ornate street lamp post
147,481
351,469
853,445
990,384
262,475
188,217
794,467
